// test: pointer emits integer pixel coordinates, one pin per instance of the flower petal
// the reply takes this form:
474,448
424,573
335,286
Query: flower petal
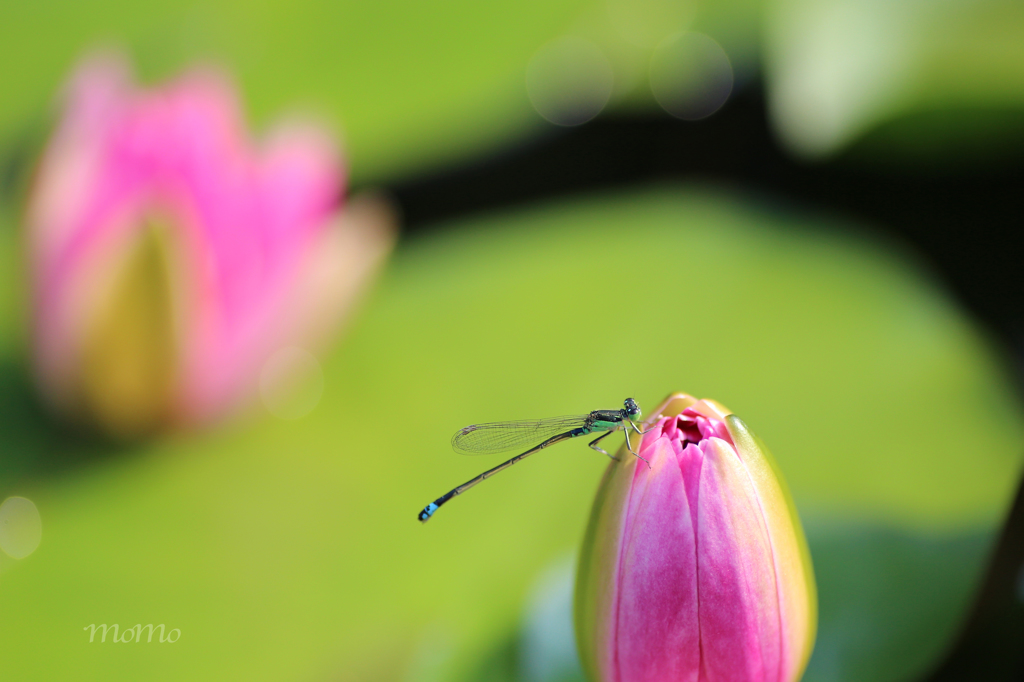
658,635
597,573
671,406
738,603
798,600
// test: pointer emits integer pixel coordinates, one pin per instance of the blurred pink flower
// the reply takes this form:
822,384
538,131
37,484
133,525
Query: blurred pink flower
695,568
171,257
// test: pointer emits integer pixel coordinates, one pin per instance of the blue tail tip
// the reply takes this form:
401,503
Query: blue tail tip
427,512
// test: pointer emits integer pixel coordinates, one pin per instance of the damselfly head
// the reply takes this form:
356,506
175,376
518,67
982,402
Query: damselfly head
632,410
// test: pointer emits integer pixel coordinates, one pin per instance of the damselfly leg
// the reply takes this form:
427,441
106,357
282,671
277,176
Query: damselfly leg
594,445
629,445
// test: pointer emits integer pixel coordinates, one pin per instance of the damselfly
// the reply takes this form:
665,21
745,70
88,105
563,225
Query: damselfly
503,436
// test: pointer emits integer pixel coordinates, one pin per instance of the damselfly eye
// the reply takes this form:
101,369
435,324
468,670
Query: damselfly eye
632,409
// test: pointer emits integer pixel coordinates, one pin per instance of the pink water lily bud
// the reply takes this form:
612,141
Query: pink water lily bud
171,256
695,568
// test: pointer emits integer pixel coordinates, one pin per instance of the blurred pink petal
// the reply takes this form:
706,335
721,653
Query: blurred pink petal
238,228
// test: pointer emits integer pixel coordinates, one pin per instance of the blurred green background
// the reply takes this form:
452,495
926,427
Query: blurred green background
288,549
